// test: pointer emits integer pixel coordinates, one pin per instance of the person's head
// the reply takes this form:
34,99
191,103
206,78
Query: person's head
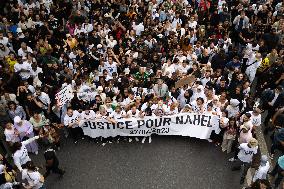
131,95
246,85
133,108
200,101
29,97
240,76
278,89
30,166
252,143
238,90
209,91
246,117
70,111
118,109
12,105
23,45
18,121
100,89
261,184
209,107
36,114
224,113
243,14
9,126
38,91
232,121
102,110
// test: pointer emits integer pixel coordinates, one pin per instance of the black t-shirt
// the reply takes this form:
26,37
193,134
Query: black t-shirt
32,107
50,155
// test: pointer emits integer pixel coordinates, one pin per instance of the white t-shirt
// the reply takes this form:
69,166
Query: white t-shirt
261,173
91,115
255,120
21,156
138,28
72,119
26,66
117,116
246,153
4,41
33,178
133,114
44,98
11,136
111,68
22,52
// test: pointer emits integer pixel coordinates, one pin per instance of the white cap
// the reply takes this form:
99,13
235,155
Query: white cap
19,30
99,46
17,119
126,70
68,35
128,52
160,35
234,102
100,88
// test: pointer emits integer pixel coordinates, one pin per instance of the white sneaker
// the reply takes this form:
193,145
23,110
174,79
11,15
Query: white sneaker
36,153
232,159
103,144
137,139
130,140
143,140
110,142
150,139
209,140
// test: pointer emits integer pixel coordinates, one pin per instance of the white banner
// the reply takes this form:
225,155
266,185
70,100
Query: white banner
184,124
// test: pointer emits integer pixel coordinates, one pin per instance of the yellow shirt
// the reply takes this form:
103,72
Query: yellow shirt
72,43
11,64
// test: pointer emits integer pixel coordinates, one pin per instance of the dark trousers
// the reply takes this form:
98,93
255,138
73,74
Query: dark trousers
243,166
76,133
54,169
270,113
277,170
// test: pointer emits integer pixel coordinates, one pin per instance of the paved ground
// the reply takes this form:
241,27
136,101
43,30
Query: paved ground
168,162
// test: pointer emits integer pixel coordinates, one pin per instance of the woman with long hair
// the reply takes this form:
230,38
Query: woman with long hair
229,136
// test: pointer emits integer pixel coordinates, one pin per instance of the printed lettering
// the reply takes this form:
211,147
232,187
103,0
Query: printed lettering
204,120
196,119
179,120
128,124
167,120
140,123
149,123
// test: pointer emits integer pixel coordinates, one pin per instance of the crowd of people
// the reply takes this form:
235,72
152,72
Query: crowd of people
123,59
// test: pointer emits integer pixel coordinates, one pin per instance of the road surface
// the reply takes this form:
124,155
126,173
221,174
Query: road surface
168,162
